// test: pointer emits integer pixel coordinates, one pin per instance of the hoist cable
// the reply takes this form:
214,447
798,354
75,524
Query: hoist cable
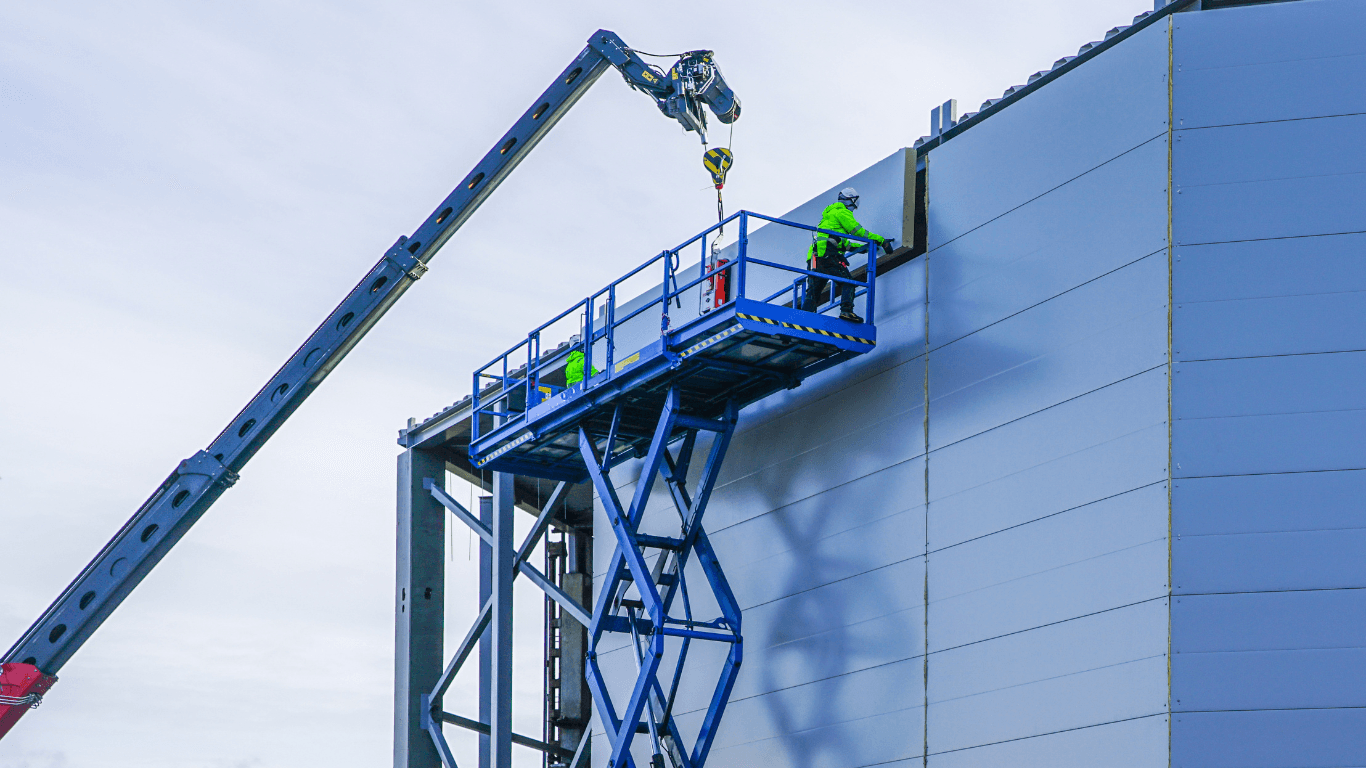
658,55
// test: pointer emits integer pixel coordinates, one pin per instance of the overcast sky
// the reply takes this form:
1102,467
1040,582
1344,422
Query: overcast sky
186,189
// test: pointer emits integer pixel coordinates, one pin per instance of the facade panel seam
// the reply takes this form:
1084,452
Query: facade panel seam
1054,405
1171,261
1045,517
1050,190
1049,624
1051,298
1051,733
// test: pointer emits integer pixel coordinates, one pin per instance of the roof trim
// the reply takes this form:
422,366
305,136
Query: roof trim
1128,32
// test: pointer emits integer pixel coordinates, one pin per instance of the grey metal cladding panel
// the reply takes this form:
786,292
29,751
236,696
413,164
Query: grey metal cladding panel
1238,154
802,525
1282,325
1066,368
1086,228
1270,62
1295,679
1139,743
852,528
838,651
1308,501
1105,527
1107,581
1049,706
1266,415
1104,331
894,688
901,338
1320,201
1092,114
871,522
1265,386
1269,562
1242,445
897,393
867,621
1115,465
824,559
900,438
838,605
601,747
1098,417
1091,642
1304,738
1269,297
1275,33
882,740
1269,621
1084,533
1260,269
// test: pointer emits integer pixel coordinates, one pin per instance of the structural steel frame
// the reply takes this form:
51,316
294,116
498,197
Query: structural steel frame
646,619
495,617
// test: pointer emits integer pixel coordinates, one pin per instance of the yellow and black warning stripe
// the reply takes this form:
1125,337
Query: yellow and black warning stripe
707,342
525,436
794,326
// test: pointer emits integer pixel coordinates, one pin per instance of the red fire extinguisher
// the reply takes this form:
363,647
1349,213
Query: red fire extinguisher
720,284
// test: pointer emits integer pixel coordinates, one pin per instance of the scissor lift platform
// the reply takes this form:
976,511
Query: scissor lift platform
740,352
688,379
743,352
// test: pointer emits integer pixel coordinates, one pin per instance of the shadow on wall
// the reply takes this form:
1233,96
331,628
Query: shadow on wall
812,632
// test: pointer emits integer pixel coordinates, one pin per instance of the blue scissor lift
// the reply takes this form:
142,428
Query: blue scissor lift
651,404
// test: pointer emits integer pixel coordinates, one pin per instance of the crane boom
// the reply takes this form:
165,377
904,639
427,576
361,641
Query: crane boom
30,666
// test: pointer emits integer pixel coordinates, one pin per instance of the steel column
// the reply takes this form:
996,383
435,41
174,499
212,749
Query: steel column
486,640
501,572
419,606
575,701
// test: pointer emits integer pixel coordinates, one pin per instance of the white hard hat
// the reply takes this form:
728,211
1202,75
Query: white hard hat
849,196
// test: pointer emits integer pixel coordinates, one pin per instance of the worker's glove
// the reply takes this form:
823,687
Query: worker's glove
887,245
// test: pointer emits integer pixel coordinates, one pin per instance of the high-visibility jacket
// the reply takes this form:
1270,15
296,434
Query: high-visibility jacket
838,218
573,368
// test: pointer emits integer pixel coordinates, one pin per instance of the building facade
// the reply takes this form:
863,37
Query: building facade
1096,498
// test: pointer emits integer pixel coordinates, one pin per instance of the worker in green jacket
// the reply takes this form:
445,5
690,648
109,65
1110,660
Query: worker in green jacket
827,253
573,368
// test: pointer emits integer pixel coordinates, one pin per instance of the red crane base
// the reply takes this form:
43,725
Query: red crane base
22,685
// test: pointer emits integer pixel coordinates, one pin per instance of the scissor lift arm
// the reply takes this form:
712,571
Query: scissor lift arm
30,666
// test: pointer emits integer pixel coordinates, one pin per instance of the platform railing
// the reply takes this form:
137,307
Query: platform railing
504,393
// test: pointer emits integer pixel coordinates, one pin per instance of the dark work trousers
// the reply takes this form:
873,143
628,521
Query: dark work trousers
814,285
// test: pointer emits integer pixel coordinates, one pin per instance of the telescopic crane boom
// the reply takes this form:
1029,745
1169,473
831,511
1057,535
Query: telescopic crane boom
30,666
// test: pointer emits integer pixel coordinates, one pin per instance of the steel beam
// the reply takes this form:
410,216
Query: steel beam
525,741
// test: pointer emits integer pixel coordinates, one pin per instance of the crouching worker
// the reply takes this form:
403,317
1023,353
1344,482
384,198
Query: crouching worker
573,368
828,254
